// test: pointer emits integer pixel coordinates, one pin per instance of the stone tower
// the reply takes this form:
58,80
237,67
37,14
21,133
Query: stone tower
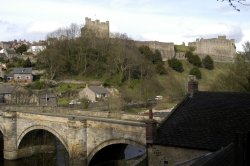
100,29
220,49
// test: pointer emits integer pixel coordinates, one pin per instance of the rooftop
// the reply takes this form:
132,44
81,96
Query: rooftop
22,70
207,120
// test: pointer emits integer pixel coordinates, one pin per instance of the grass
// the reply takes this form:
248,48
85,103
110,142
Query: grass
64,87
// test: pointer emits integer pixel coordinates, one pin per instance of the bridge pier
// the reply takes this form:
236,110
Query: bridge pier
77,140
10,138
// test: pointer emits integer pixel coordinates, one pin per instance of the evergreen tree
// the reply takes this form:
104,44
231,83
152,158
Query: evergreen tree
196,72
208,63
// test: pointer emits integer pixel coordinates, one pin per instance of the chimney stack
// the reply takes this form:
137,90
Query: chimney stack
192,85
151,127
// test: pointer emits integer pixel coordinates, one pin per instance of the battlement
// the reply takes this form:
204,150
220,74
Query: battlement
89,22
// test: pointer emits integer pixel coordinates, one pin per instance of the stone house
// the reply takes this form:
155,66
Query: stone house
202,129
94,93
23,75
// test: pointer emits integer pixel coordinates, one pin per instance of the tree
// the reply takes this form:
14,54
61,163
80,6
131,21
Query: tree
196,72
193,59
236,79
175,64
208,62
233,3
21,49
27,63
160,69
246,48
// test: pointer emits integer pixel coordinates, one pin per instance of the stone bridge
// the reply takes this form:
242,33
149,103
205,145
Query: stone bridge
83,133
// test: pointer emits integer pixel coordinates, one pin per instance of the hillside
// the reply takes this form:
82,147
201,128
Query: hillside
175,83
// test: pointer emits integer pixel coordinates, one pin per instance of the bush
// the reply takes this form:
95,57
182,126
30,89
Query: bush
175,64
193,59
208,63
160,69
196,72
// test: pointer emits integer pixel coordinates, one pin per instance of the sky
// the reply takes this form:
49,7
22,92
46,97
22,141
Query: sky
160,20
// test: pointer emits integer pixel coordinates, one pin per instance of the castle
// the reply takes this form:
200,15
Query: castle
220,49
100,29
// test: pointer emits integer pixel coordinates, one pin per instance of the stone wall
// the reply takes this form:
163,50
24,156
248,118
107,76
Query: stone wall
166,49
164,155
220,49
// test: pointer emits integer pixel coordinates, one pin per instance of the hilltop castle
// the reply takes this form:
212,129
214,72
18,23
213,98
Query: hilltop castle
100,29
220,49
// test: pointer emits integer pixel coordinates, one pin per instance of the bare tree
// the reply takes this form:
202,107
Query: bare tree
234,3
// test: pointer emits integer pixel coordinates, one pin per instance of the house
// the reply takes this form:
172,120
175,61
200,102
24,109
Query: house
48,99
8,53
94,93
201,127
35,49
21,75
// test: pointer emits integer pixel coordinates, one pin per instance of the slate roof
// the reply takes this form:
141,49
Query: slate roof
22,70
99,89
206,121
222,157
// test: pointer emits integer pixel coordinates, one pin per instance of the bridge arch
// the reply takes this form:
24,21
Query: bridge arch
40,127
112,142
1,130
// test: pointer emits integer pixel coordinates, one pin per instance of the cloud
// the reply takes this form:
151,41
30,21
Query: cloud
9,30
213,30
43,26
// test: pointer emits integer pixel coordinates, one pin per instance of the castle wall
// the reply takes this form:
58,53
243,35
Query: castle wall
220,49
166,49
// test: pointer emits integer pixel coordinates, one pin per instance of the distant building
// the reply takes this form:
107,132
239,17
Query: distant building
5,45
35,49
94,93
8,53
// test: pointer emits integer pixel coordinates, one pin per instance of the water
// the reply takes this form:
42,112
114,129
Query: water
56,158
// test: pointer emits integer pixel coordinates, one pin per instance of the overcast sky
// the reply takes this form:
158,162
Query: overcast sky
163,20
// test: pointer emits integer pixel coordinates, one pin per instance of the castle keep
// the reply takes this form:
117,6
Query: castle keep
100,29
220,49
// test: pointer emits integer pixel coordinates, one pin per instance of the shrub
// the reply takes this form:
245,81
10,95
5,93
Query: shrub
193,59
196,72
175,64
160,69
208,63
